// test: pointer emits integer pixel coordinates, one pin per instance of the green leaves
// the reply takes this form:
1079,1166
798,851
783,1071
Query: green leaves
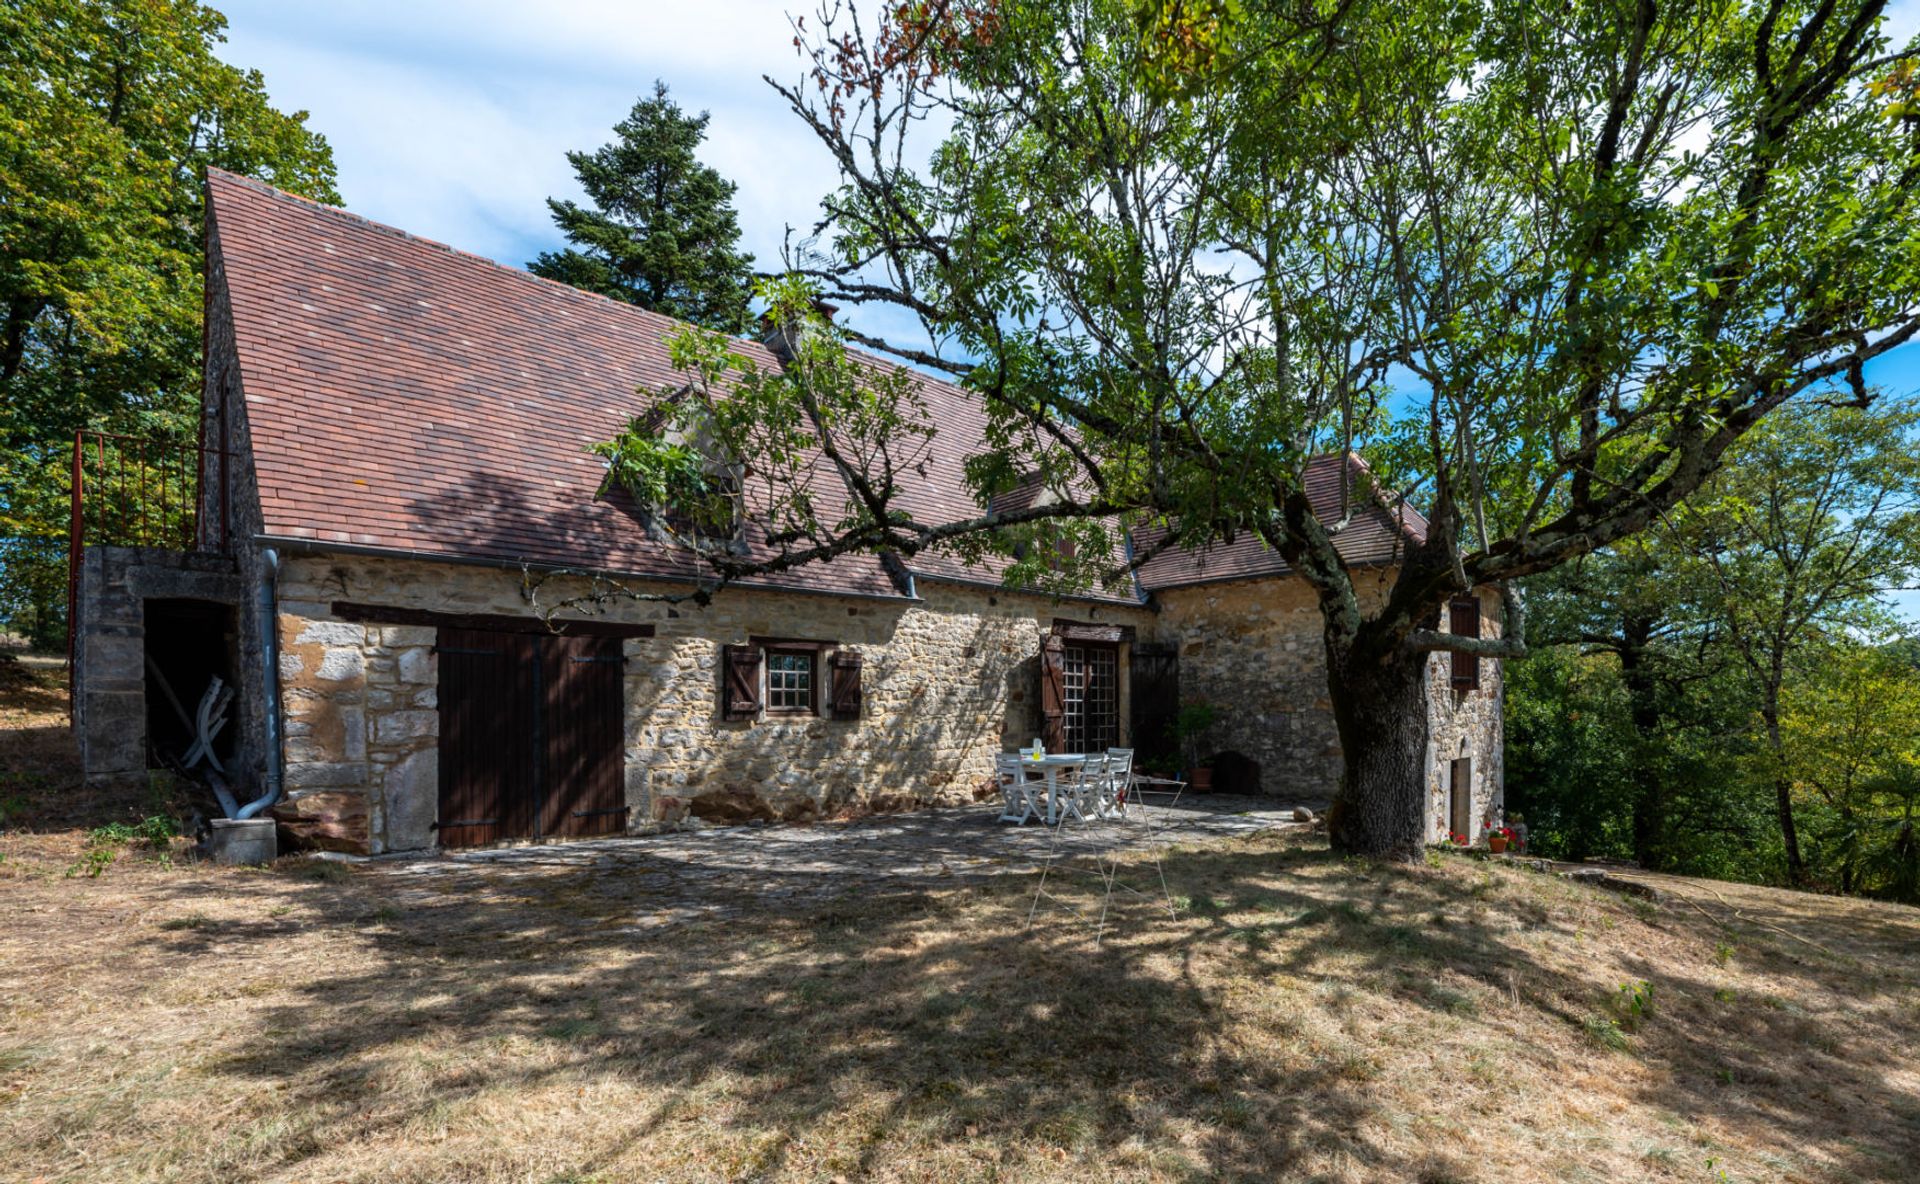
753,466
109,114
1548,263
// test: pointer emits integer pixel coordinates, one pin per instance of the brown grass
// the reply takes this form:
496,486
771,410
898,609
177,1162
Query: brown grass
40,786
1306,1018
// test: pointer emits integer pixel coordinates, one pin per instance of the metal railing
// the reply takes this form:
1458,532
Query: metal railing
130,491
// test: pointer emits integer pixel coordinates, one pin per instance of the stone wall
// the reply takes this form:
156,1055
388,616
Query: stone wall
230,515
1255,650
109,648
362,731
947,683
1467,724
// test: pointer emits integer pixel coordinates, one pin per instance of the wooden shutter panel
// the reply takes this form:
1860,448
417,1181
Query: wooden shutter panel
1464,621
1053,694
845,691
739,681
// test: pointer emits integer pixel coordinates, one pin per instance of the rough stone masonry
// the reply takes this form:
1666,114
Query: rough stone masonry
948,684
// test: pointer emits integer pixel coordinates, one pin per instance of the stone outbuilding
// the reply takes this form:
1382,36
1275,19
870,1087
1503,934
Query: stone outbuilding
395,488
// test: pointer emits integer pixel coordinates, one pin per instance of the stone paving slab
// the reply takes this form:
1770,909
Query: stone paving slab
729,871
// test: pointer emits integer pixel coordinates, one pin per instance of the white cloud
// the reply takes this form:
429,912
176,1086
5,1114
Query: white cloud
450,120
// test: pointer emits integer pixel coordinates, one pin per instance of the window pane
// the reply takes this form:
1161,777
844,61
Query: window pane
1092,698
789,682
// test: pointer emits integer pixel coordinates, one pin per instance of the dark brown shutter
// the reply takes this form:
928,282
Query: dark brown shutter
845,696
739,681
1053,694
1465,622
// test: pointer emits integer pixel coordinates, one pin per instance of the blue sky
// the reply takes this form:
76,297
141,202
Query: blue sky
450,119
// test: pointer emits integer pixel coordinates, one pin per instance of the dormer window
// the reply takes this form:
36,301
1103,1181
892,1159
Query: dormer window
1047,541
686,492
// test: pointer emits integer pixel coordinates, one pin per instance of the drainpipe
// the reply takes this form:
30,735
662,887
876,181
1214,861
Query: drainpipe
269,609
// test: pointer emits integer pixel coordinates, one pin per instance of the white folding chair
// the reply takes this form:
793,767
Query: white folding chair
1024,796
1119,781
208,721
1079,789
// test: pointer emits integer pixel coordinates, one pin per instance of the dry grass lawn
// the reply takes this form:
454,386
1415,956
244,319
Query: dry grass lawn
1306,1018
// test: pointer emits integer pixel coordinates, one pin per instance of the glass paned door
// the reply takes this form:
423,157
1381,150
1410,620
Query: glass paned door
1092,698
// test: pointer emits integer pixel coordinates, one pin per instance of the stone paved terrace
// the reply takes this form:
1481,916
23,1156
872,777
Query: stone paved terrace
718,872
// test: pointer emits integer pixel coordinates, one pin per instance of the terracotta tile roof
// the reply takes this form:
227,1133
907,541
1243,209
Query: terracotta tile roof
1375,534
406,396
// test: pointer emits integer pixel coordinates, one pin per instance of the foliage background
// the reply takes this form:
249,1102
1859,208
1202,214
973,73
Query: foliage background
110,113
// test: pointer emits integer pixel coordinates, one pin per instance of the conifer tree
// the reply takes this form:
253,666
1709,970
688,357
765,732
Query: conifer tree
661,232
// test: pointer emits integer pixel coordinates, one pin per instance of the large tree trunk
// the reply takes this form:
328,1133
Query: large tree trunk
1381,711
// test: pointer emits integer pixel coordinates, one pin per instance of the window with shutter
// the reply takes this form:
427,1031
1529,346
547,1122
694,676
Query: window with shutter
1464,620
793,681
845,691
740,681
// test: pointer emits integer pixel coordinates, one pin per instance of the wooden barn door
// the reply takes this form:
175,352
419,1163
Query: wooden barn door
489,780
584,737
531,729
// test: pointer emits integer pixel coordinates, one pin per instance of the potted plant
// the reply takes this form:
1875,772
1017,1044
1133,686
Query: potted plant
1195,720
1498,837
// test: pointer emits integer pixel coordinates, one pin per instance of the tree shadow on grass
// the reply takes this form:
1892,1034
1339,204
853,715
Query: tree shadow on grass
879,1024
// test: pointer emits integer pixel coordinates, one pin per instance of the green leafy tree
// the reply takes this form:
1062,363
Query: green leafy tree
1803,535
662,232
1710,621
1630,734
1569,737
1637,613
1180,249
110,111
1850,748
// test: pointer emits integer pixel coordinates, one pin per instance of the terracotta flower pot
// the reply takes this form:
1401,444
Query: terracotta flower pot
1200,780
1496,843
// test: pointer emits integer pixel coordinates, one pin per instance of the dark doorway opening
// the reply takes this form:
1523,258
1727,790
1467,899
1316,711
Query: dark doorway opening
1460,797
189,643
1155,692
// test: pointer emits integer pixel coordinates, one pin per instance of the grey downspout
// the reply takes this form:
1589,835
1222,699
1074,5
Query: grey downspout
269,609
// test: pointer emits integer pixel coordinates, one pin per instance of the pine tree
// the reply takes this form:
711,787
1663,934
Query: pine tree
662,232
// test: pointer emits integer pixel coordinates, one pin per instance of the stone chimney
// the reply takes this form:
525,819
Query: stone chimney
784,339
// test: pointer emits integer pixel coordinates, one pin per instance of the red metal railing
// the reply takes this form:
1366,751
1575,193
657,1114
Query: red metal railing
132,492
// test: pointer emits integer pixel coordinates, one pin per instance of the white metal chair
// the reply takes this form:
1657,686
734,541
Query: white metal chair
208,721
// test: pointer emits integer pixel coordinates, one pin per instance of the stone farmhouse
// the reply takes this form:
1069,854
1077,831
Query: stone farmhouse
395,454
